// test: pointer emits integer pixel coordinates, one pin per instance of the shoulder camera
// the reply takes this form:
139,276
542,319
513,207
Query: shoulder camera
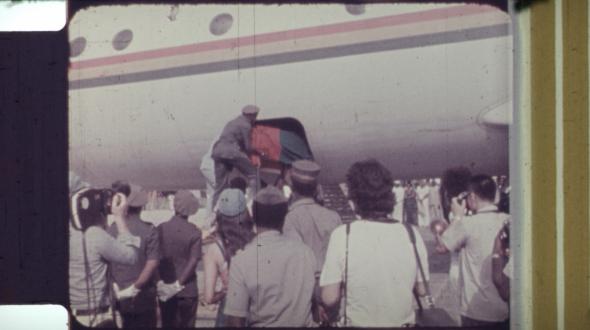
90,207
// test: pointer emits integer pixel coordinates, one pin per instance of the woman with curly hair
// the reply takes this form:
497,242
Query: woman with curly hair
371,262
234,231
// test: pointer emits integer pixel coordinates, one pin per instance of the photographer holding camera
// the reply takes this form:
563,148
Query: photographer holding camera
473,236
92,249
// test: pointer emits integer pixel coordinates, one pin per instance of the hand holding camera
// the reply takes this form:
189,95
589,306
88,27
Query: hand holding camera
459,205
119,205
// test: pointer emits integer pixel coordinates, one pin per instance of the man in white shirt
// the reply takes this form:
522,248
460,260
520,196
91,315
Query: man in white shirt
474,236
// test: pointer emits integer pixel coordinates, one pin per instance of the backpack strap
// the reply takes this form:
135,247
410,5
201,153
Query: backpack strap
346,276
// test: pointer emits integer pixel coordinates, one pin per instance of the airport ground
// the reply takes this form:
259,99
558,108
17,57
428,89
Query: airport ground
445,295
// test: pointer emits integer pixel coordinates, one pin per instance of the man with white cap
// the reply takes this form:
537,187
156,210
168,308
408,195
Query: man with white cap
308,221
233,149
180,243
271,281
135,285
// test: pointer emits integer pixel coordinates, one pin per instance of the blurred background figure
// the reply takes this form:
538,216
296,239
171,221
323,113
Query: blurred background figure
207,168
410,204
398,195
504,191
434,200
422,192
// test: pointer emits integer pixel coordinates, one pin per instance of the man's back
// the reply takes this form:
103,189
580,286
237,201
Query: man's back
149,249
474,237
312,224
233,139
179,240
271,282
126,275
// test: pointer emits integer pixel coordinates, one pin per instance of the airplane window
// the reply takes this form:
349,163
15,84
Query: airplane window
77,46
355,9
221,24
122,39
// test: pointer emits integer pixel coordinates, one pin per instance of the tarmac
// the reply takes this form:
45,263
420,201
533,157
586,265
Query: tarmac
444,291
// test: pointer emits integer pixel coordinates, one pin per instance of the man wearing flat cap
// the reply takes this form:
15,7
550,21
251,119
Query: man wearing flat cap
308,221
134,285
271,281
180,243
233,149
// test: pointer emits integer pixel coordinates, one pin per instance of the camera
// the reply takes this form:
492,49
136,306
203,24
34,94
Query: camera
462,196
90,207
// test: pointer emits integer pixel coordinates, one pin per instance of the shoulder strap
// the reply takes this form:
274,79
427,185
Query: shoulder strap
223,250
419,263
346,276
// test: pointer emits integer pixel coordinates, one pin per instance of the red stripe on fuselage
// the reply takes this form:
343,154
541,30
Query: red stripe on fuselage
400,19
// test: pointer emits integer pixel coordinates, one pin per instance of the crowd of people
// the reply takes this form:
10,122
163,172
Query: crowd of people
272,260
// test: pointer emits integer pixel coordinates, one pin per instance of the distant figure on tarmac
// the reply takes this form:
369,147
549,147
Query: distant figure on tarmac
434,201
410,205
422,192
207,168
233,149
399,194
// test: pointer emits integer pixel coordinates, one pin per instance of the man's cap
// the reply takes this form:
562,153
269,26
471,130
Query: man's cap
138,197
185,203
250,110
305,171
231,202
270,195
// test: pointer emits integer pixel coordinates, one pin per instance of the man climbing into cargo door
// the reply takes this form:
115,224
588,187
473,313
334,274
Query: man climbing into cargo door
233,149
